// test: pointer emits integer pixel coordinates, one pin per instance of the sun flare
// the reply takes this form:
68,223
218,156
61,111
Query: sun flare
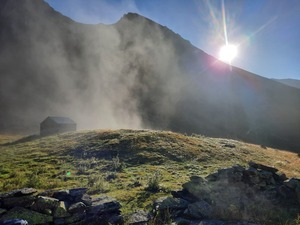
228,53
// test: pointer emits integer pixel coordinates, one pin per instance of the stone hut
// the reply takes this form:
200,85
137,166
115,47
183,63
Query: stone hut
54,125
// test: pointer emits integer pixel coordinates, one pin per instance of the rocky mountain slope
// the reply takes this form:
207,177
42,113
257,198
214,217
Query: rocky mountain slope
132,74
290,82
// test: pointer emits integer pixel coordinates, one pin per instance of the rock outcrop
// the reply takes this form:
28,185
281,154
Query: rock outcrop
251,195
72,206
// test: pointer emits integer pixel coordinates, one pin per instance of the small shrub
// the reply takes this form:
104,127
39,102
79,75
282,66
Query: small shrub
34,180
97,184
153,182
117,165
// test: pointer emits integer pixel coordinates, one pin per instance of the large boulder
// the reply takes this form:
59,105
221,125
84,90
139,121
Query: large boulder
33,217
198,187
138,218
170,203
104,204
199,210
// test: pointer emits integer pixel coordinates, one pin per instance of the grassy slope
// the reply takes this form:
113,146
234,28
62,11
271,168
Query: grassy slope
44,163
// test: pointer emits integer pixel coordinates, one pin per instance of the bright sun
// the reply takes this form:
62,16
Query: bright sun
228,53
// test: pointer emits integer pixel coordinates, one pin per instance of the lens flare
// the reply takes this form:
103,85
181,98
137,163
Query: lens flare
228,53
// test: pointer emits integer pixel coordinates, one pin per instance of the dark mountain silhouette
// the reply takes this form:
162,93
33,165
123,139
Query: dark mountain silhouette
132,74
290,82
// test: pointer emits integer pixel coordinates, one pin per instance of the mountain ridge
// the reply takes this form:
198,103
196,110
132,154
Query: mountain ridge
133,74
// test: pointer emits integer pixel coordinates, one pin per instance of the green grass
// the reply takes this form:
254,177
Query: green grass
93,159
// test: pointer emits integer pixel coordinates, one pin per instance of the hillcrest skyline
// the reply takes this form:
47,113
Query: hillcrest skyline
266,32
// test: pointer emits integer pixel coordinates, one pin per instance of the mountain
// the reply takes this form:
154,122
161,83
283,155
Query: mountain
290,82
132,74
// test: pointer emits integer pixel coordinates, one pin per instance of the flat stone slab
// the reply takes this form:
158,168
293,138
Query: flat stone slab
32,217
18,192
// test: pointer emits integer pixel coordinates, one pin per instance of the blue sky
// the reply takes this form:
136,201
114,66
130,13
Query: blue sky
266,31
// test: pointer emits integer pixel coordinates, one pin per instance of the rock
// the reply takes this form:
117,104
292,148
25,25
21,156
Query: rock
262,167
104,204
170,203
30,216
266,175
78,207
61,211
63,195
14,222
42,203
22,201
138,218
59,221
292,183
183,221
297,190
243,223
86,199
198,187
212,177
197,179
75,218
18,192
211,222
183,194
2,211
229,145
77,192
199,210
279,176
233,174
115,219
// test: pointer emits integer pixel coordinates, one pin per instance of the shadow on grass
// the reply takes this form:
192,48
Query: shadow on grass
23,140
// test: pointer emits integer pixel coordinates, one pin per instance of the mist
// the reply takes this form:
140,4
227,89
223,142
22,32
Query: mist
133,74
90,73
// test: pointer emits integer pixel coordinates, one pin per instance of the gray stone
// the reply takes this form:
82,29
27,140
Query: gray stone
182,221
262,167
86,199
200,210
74,218
292,183
279,176
198,187
2,211
59,221
104,204
18,192
22,201
43,203
30,216
210,222
297,190
170,203
197,179
139,217
62,195
78,207
212,177
116,219
61,211
77,192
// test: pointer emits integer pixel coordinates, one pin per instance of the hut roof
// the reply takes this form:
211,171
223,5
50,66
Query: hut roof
60,120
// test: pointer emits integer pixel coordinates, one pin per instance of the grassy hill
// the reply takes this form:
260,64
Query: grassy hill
121,163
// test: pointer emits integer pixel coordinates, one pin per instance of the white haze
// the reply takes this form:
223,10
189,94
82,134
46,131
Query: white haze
85,72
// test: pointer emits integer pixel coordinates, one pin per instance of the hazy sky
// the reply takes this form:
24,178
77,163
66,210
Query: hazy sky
266,31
